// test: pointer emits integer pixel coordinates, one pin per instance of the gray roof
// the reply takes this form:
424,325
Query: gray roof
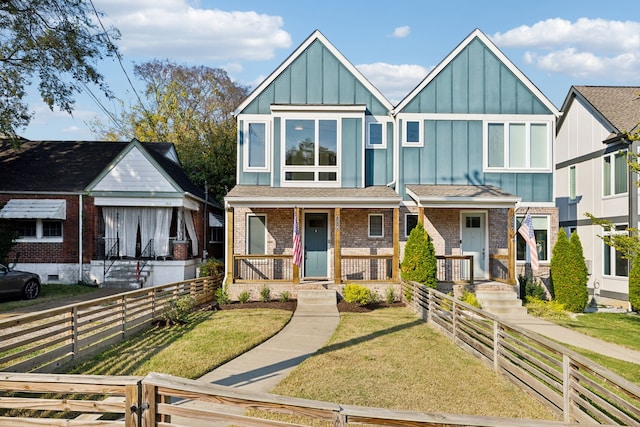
619,105
255,195
463,195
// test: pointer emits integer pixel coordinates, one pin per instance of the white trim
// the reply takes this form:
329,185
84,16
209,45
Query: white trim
548,242
357,109
39,237
405,122
612,177
373,120
147,202
406,215
246,237
371,236
506,121
256,119
467,202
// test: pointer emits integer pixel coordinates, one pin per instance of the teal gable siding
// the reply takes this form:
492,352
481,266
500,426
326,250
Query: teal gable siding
315,77
379,162
476,82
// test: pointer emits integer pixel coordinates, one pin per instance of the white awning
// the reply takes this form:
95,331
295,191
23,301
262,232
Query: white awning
215,220
34,209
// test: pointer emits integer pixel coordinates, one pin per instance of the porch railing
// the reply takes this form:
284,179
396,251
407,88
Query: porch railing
455,268
499,268
265,268
369,268
111,252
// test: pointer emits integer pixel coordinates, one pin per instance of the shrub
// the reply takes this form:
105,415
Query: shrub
211,268
179,309
390,295
222,295
569,273
531,288
634,284
265,294
419,263
470,298
359,294
285,296
546,309
244,297
408,293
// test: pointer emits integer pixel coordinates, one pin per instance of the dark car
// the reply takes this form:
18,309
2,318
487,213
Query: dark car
18,283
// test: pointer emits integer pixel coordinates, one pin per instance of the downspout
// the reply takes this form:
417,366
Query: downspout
80,237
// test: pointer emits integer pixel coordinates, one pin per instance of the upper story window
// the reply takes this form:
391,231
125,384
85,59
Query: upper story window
311,150
572,184
256,145
613,261
412,133
614,173
376,133
518,146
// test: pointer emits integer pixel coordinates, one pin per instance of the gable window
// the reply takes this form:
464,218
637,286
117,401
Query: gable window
39,230
613,262
614,173
311,150
413,132
517,145
256,145
257,234
572,184
376,134
376,225
541,233
410,222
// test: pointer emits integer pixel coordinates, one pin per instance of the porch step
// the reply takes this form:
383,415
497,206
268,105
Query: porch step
317,297
122,275
500,302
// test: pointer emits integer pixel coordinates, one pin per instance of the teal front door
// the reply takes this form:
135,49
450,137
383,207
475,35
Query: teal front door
315,245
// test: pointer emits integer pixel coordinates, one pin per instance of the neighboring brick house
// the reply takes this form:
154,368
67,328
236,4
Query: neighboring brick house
85,209
592,176
465,152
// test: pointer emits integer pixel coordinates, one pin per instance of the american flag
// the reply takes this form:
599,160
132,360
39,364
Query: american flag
297,245
526,231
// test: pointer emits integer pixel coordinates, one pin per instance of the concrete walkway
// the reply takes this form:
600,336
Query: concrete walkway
570,337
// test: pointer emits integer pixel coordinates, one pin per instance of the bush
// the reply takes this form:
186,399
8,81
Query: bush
390,295
222,295
419,263
470,298
244,297
265,294
634,284
212,267
285,296
179,309
569,273
531,288
359,294
546,309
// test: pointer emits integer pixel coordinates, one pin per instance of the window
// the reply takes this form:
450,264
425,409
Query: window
376,134
517,145
613,262
256,145
614,174
410,222
311,150
541,233
413,132
376,225
39,230
216,234
572,184
256,234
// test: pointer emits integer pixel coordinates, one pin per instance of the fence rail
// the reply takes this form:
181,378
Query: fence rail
263,268
573,386
46,340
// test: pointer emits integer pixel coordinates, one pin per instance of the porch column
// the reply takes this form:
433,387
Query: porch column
296,268
230,265
421,214
337,262
395,262
511,234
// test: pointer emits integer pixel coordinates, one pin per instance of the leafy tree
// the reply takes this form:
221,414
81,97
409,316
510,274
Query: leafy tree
8,237
569,273
419,263
57,42
191,106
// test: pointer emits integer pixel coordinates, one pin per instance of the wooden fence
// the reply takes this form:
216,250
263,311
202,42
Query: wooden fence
573,386
45,340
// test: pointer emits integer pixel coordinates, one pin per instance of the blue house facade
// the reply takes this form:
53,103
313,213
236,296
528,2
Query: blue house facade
467,151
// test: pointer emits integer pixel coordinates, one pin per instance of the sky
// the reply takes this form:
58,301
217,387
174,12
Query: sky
395,44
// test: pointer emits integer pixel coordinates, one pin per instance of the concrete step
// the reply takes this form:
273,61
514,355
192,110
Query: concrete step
500,302
317,297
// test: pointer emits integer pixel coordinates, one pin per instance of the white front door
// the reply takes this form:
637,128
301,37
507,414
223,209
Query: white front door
474,241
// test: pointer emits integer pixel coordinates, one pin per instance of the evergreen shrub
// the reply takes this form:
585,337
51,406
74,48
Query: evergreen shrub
419,263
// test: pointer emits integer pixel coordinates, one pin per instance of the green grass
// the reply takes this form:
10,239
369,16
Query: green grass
191,350
50,292
389,358
626,370
622,329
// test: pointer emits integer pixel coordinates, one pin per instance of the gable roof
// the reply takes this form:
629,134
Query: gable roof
315,36
477,34
618,106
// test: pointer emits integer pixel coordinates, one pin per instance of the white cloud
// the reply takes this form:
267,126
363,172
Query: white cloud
177,29
401,32
394,81
586,48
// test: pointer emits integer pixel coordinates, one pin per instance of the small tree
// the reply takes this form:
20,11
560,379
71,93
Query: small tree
569,273
634,284
419,262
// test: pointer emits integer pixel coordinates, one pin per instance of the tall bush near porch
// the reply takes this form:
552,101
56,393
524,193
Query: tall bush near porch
569,273
419,262
634,284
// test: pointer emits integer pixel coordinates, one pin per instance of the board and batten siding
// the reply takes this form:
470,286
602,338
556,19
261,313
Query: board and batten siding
134,173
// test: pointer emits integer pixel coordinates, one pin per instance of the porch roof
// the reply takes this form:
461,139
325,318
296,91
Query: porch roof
461,196
305,197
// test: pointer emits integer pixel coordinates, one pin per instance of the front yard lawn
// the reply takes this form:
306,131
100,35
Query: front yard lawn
50,292
617,328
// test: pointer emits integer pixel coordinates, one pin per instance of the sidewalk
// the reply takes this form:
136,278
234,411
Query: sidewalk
569,337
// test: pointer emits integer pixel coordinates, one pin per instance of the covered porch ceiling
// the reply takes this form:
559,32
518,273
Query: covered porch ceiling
461,196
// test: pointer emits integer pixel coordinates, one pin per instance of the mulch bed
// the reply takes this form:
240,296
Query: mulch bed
343,307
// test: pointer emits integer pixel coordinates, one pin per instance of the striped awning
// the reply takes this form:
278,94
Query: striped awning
34,209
